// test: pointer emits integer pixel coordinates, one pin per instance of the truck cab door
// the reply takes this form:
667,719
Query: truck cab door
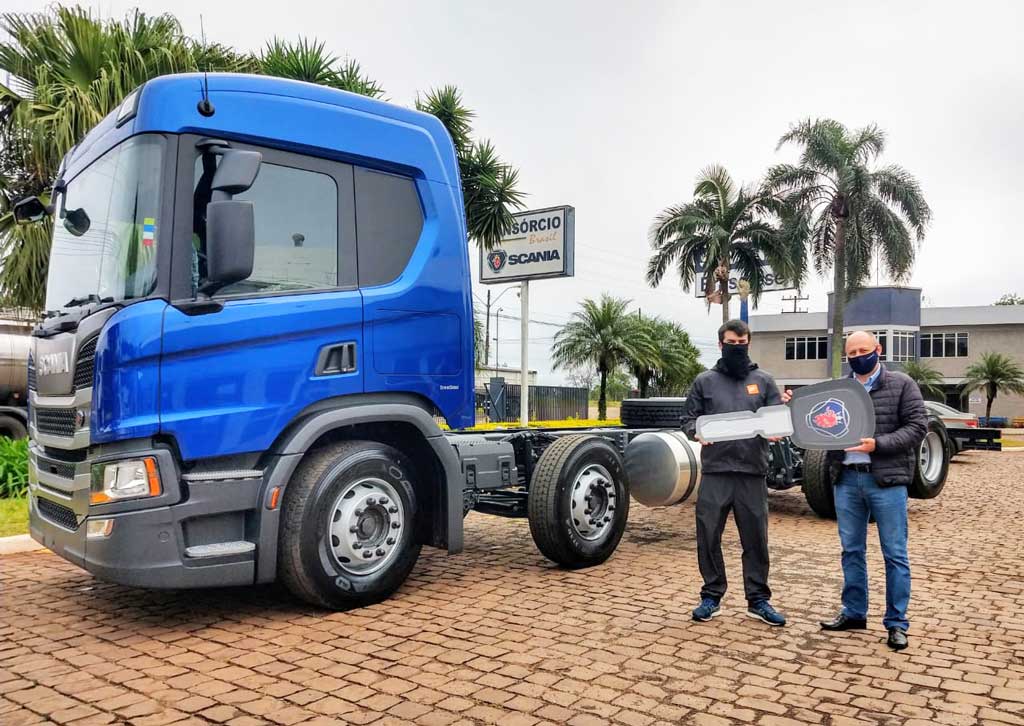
236,372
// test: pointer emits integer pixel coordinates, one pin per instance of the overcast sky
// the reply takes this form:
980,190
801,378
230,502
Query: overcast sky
615,107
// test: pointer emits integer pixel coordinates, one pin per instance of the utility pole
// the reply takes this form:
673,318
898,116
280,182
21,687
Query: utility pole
487,331
497,337
795,299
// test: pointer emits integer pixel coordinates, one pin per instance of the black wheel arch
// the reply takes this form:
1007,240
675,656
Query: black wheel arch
403,421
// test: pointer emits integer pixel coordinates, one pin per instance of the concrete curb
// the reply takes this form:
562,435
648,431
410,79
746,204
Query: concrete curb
18,543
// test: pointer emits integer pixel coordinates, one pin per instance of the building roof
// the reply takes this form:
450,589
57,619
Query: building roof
974,315
930,318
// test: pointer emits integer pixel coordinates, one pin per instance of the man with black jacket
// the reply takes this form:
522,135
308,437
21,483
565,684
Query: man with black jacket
733,476
872,481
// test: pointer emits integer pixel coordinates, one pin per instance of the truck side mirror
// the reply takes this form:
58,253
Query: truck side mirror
235,173
30,209
230,243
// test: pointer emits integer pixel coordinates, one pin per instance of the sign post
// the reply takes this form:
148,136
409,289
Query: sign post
524,335
540,245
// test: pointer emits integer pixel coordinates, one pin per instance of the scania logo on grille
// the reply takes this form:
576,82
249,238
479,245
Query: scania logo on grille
53,363
496,259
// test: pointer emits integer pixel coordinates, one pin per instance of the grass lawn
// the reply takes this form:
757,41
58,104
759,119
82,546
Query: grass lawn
13,517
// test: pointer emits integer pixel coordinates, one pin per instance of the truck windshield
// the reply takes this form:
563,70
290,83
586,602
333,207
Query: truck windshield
106,233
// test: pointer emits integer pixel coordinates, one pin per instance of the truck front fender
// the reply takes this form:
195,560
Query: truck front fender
352,412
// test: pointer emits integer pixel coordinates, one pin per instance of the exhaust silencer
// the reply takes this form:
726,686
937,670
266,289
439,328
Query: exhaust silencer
662,468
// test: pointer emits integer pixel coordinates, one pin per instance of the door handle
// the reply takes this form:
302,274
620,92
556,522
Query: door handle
334,359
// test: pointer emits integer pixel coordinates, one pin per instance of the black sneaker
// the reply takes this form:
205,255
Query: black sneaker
897,639
707,609
762,610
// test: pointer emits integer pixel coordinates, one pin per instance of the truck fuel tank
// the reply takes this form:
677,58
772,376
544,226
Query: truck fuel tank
663,468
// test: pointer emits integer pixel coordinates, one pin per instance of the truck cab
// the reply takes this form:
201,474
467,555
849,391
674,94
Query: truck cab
244,270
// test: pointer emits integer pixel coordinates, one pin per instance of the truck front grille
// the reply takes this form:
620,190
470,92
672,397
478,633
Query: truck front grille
85,365
55,421
57,513
63,469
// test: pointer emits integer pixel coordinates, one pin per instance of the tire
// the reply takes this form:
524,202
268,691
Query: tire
12,428
331,486
652,413
568,467
932,463
817,485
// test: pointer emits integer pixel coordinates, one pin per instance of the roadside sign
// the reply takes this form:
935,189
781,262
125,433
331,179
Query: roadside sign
540,245
772,283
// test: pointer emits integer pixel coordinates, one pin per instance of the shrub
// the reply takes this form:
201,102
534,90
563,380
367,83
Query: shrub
13,467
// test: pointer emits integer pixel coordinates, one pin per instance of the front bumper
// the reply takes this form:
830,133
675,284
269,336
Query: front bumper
150,542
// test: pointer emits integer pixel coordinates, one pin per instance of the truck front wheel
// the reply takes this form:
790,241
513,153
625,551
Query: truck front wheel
578,503
347,534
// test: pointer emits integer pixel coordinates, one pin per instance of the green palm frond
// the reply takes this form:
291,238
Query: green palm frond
927,378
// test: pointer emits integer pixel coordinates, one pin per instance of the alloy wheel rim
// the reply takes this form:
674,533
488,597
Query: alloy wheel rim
365,526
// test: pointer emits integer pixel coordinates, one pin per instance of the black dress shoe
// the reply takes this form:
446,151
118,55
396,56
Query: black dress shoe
897,639
842,622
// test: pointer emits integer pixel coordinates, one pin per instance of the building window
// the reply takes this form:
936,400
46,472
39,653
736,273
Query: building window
902,346
882,336
807,348
944,345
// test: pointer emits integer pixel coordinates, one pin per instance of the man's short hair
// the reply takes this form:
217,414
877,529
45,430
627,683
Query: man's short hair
736,326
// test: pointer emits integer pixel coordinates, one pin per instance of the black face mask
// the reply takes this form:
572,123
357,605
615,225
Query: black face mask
735,359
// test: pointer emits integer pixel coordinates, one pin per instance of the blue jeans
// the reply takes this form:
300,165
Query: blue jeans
857,497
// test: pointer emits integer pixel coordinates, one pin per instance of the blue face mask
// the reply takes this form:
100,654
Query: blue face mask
864,364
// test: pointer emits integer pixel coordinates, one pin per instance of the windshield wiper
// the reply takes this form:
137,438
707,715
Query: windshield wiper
86,300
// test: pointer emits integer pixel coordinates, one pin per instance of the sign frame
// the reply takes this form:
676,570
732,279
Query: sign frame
568,249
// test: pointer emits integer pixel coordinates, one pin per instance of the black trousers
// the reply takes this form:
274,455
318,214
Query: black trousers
746,496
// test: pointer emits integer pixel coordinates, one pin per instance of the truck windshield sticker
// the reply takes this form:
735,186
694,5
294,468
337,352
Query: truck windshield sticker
148,231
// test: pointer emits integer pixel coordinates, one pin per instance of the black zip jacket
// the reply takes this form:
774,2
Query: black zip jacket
901,424
715,391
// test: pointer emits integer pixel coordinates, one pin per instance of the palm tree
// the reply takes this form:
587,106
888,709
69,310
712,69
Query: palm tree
603,335
308,60
68,71
489,186
675,356
836,204
996,373
722,228
927,378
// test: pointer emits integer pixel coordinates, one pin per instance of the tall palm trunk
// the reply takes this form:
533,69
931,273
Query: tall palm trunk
839,285
602,401
990,394
722,273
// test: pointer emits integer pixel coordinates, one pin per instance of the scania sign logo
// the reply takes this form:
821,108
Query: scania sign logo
496,259
53,363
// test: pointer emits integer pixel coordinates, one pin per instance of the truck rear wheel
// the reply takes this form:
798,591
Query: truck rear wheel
817,485
932,463
347,534
578,503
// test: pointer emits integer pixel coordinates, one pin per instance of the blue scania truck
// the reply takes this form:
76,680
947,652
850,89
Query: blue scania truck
259,309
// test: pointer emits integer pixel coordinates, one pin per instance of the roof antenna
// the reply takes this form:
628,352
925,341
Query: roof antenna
204,107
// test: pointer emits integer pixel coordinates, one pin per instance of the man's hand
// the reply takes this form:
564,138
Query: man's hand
702,442
866,446
786,395
773,439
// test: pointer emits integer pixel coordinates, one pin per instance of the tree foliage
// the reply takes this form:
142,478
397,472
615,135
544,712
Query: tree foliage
723,227
995,373
843,209
676,362
69,69
1010,299
490,187
927,378
603,335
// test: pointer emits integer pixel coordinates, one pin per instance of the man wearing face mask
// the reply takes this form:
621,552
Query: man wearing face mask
873,481
733,476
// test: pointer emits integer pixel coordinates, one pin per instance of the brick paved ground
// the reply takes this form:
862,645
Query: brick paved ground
497,635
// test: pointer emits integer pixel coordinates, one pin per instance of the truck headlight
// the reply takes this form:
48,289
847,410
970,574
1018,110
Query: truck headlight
129,479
